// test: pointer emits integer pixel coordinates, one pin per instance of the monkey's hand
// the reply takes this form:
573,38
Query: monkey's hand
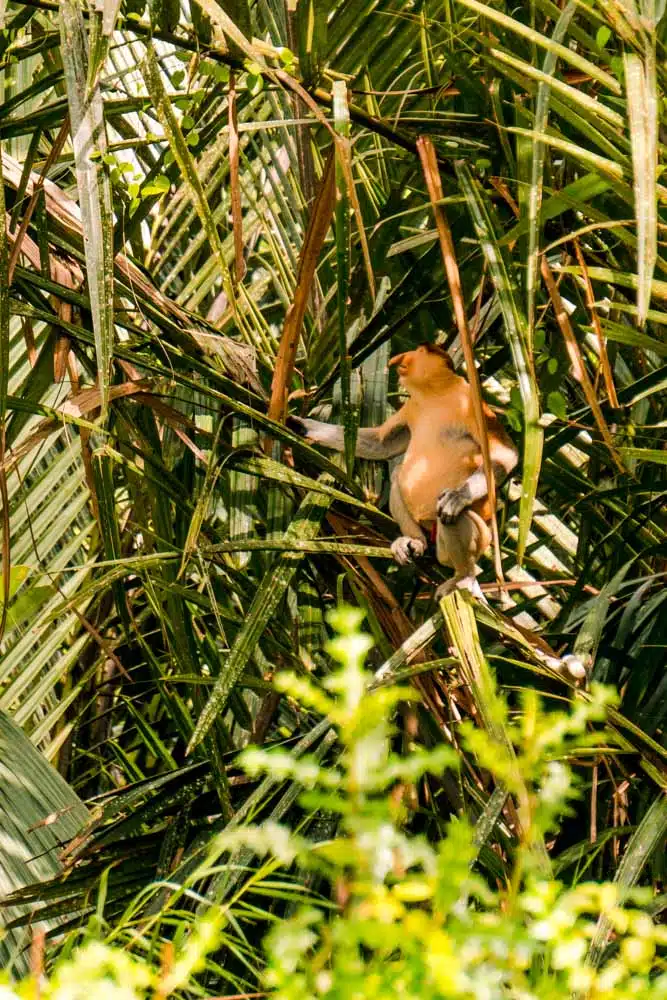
298,425
406,549
452,502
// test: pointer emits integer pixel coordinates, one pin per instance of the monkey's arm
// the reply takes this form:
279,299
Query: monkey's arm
386,441
503,459
411,543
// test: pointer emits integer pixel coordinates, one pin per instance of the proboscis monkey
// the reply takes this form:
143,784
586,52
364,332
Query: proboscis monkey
439,490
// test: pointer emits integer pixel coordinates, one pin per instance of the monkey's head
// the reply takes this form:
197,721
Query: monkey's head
425,367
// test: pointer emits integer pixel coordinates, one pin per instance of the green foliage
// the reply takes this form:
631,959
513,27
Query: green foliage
416,920
410,918
170,562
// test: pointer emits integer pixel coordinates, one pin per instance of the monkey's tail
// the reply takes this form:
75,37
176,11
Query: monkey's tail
483,530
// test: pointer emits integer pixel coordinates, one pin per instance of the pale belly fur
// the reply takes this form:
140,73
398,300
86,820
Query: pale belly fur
423,477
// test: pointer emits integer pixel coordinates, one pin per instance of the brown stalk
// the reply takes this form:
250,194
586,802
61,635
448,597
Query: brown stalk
595,320
504,192
66,274
576,360
87,458
478,305
344,150
91,399
61,355
54,153
567,581
234,183
318,224
578,367
29,337
37,961
346,162
397,627
434,185
166,965
73,372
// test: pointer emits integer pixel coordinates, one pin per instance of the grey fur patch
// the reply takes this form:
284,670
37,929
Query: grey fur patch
499,472
454,433
394,443
397,434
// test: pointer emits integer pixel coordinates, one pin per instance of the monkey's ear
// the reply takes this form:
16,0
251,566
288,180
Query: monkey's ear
396,360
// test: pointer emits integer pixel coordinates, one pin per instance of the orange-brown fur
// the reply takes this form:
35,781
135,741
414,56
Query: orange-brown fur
440,482
438,397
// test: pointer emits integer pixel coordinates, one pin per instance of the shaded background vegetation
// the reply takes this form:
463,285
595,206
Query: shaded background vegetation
248,178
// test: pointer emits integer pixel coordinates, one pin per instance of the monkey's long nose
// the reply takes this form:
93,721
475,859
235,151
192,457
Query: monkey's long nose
402,361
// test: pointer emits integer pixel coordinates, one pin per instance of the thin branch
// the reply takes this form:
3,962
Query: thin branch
379,126
595,320
436,194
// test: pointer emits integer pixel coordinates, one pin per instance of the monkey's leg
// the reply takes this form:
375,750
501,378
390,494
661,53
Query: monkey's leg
460,545
412,542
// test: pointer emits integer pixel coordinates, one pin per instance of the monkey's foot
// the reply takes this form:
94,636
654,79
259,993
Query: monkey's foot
451,503
461,583
568,666
406,549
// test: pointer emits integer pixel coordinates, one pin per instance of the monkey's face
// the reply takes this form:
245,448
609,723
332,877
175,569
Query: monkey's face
423,368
